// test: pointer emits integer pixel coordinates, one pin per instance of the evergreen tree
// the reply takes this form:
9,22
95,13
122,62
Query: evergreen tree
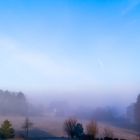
79,131
6,130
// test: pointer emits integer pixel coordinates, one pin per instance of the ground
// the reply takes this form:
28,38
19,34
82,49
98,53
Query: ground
53,126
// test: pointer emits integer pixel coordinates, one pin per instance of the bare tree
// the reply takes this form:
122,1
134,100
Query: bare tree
108,132
69,127
92,128
26,126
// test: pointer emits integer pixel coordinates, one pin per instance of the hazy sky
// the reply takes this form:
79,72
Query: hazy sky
69,44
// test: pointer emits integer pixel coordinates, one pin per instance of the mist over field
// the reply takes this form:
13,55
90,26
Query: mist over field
70,69
46,111
86,98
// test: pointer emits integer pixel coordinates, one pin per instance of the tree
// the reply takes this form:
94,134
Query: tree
26,126
79,131
137,111
92,128
73,128
130,115
69,127
6,130
16,100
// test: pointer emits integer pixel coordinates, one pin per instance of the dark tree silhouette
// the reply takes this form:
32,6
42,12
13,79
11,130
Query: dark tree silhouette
6,130
73,129
137,111
69,127
79,131
26,126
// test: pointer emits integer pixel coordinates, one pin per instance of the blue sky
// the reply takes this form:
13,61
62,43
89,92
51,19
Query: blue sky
69,44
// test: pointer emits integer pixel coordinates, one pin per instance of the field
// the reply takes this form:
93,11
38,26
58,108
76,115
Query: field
50,125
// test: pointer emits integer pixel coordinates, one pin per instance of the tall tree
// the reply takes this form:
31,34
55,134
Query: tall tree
137,111
26,126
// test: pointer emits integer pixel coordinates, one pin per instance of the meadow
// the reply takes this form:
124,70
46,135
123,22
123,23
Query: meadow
53,126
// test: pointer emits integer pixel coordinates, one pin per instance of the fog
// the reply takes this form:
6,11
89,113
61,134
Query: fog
70,58
119,99
73,102
110,108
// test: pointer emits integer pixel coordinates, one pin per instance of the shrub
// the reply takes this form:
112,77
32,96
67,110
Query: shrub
92,128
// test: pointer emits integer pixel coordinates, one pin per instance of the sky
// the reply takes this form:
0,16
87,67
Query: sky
66,45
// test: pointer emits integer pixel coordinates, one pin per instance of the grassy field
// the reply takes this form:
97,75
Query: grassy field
54,126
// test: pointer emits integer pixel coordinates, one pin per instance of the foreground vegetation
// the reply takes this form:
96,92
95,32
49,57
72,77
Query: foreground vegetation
72,128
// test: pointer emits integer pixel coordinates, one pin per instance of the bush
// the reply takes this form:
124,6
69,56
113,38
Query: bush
92,128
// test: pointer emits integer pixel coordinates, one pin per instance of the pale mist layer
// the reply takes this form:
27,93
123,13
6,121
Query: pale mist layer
119,100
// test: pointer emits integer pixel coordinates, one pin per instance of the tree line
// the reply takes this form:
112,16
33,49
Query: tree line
16,103
13,103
